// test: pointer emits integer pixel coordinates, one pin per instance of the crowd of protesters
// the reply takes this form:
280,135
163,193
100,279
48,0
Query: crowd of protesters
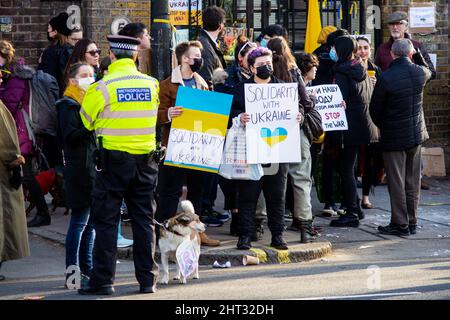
382,101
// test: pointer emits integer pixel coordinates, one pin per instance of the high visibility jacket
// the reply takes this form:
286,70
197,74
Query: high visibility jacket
122,108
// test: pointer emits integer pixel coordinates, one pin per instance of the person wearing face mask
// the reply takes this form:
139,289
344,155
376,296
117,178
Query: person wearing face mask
51,59
171,179
273,186
213,25
356,88
79,173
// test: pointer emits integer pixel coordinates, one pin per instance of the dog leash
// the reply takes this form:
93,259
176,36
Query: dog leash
164,226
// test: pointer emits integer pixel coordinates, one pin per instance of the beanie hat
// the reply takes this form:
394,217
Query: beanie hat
324,34
59,23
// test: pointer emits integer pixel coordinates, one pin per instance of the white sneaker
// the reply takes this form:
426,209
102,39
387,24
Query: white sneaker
329,212
123,242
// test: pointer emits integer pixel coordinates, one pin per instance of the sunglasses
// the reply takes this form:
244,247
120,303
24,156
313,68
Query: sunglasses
247,44
94,52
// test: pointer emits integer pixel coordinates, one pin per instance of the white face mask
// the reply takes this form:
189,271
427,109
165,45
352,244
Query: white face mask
84,83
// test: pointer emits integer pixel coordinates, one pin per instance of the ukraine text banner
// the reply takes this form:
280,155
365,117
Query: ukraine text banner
197,137
273,133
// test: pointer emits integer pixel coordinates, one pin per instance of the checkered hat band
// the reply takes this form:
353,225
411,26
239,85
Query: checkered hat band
123,46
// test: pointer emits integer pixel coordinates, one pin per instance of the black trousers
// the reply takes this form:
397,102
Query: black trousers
170,187
230,192
34,190
274,188
130,178
52,149
349,155
211,180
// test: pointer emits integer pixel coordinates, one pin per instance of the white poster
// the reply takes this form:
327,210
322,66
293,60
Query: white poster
433,58
422,17
273,133
329,105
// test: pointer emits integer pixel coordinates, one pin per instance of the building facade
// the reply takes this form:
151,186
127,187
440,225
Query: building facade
24,23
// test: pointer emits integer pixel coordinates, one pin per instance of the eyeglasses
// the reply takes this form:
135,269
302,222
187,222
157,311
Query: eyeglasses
248,43
94,52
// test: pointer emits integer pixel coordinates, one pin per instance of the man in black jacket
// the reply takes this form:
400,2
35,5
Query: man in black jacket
212,55
213,25
396,108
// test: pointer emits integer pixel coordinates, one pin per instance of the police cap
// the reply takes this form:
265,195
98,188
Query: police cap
123,42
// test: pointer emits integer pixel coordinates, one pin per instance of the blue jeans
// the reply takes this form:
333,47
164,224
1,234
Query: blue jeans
80,240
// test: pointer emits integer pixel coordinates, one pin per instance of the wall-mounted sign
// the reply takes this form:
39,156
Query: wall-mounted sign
118,23
422,17
5,24
179,12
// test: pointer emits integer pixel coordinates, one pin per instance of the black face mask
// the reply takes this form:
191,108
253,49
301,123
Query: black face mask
48,37
264,72
197,65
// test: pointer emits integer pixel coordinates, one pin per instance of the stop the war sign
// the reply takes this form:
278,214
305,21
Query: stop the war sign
329,105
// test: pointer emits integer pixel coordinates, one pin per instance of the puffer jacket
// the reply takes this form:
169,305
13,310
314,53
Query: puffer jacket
14,91
396,106
356,88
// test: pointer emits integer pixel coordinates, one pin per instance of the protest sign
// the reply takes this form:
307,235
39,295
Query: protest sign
179,12
197,136
273,133
329,105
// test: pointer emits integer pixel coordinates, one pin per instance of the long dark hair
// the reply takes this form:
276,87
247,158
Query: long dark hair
78,54
345,47
283,60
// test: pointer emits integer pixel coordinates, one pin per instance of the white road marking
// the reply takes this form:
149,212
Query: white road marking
375,295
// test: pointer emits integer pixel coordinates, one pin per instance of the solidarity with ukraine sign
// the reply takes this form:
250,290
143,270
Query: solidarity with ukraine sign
273,133
197,137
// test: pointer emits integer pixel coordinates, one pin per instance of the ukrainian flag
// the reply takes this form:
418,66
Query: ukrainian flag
313,26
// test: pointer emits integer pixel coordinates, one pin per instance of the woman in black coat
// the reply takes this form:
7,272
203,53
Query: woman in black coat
356,88
79,172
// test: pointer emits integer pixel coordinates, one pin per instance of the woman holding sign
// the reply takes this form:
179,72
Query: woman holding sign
286,69
273,185
356,88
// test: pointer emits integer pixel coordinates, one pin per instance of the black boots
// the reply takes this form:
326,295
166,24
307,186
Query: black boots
244,243
259,229
307,232
347,220
278,242
39,221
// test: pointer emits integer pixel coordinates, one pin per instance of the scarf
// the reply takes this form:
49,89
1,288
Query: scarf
74,92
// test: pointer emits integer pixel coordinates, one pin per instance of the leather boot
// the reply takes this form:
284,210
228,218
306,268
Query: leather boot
206,241
307,233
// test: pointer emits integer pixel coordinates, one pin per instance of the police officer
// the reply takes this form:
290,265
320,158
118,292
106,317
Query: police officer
121,108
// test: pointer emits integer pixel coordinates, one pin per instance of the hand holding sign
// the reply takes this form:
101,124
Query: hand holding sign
175,112
331,106
245,117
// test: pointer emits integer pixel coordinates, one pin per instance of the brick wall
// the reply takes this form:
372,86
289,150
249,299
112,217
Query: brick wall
29,24
30,19
100,15
436,96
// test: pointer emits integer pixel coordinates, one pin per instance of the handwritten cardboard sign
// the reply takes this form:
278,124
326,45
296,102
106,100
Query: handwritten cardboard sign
273,133
179,12
329,99
197,137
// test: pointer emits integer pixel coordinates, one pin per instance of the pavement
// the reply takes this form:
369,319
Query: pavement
433,223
